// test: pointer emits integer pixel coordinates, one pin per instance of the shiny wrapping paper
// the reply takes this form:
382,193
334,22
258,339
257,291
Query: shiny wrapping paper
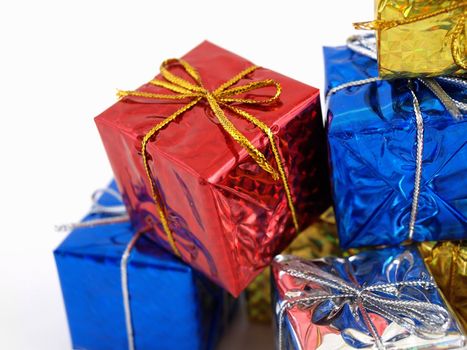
371,136
447,262
316,241
228,216
423,47
331,325
172,306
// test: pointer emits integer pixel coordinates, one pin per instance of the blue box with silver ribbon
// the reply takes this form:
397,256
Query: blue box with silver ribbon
398,151
122,291
378,299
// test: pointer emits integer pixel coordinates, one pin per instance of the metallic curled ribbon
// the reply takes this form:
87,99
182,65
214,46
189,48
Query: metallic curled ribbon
117,214
457,36
422,318
220,99
366,45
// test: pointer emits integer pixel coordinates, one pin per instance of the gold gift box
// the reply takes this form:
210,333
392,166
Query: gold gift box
447,262
317,241
420,37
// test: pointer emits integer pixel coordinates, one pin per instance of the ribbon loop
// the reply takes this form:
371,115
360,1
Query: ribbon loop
222,98
178,80
225,94
111,214
171,87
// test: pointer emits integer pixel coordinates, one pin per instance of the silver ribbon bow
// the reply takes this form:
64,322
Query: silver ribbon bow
366,45
424,319
117,213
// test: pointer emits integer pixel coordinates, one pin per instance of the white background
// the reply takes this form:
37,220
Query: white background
60,65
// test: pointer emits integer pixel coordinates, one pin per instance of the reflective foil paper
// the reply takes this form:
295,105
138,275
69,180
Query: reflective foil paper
339,323
447,262
423,47
371,136
172,306
228,216
316,241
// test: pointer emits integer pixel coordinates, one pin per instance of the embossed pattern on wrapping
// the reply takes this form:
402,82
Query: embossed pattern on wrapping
365,45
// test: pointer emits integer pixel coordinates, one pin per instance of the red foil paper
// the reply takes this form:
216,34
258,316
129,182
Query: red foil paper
228,216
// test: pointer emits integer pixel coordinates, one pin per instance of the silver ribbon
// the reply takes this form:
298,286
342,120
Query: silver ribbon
125,289
119,215
118,212
432,320
366,45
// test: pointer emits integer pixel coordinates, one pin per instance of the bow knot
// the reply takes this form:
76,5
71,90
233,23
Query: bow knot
423,318
227,97
360,294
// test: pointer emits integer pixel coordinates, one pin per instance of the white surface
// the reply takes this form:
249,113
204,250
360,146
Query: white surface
60,65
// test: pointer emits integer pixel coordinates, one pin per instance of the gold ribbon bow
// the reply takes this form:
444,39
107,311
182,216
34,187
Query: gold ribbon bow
457,34
219,99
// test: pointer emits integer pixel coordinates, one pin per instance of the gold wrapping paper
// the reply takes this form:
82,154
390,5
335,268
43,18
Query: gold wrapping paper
420,38
318,240
447,262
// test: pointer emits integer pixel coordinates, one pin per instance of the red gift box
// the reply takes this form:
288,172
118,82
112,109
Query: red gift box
227,216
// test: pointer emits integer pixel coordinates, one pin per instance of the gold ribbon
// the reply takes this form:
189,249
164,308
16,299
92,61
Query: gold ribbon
219,99
457,33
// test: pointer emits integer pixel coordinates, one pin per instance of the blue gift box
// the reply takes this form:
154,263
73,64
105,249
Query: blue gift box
372,144
378,299
172,306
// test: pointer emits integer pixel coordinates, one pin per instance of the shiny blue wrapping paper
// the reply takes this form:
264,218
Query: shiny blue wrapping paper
173,307
371,134
331,324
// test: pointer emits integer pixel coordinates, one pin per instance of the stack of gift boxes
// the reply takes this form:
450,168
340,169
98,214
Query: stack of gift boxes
222,165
